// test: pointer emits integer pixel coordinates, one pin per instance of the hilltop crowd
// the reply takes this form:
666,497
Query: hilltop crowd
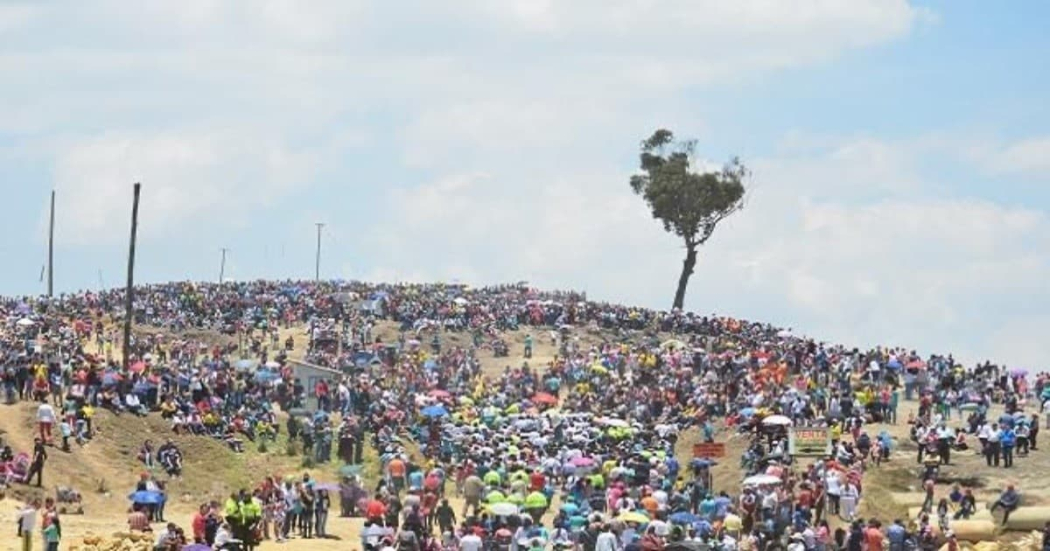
582,452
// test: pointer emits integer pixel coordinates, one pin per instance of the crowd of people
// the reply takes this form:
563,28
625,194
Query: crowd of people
582,452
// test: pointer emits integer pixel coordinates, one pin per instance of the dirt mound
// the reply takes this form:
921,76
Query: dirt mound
118,541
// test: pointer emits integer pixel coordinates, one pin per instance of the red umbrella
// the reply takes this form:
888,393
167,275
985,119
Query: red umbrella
545,398
138,367
916,364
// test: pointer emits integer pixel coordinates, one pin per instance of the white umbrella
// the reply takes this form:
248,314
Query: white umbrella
25,322
272,364
461,301
784,333
761,480
777,421
503,509
618,423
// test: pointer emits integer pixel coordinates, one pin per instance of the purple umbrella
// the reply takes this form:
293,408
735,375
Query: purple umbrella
1018,372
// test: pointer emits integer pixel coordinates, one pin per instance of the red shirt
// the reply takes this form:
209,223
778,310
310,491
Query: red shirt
873,538
375,509
537,481
199,523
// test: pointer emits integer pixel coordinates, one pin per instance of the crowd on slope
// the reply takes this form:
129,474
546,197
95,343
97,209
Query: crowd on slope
579,453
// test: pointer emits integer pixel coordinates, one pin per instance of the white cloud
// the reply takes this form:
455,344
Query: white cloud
517,103
905,267
187,178
1029,157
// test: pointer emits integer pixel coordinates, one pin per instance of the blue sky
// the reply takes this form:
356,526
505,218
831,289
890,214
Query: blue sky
901,151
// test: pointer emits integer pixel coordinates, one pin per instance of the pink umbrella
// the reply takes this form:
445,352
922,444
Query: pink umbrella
138,367
582,462
438,393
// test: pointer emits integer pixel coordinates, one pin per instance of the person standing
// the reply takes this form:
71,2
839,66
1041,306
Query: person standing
1007,441
45,419
27,523
1033,432
36,466
991,449
52,535
321,505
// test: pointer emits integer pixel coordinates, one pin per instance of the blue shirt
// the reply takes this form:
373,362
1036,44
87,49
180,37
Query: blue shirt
895,534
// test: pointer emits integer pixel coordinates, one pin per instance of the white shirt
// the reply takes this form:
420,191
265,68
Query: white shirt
833,485
45,413
27,519
606,542
470,542
222,537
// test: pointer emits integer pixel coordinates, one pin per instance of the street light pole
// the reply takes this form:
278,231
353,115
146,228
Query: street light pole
222,266
317,263
51,250
129,293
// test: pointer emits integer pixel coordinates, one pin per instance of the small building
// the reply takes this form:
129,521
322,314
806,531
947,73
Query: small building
311,374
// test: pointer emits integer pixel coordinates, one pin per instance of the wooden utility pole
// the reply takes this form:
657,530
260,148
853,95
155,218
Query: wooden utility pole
317,266
51,250
222,265
129,293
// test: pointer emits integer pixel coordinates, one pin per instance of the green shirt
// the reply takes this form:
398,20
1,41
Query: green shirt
51,533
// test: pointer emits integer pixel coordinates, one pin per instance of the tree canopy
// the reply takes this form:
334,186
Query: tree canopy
689,203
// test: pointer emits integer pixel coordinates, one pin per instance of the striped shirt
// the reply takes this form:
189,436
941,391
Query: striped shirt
138,522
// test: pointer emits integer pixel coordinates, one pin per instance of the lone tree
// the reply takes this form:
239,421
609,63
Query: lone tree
689,203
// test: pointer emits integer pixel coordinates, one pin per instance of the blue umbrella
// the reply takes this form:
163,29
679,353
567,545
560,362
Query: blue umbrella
244,364
146,498
570,508
265,376
683,518
894,364
747,412
702,463
434,411
430,365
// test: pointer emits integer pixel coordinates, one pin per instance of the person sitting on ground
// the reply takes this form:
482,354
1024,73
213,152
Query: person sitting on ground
133,404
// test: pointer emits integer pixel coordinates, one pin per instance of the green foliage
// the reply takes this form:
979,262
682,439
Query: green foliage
688,203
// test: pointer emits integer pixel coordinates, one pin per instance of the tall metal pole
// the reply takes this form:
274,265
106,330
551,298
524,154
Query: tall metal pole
222,266
51,250
129,293
317,266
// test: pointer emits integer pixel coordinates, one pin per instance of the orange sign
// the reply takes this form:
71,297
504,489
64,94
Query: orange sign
709,449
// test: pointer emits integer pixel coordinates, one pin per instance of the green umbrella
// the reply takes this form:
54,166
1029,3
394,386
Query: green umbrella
536,500
495,496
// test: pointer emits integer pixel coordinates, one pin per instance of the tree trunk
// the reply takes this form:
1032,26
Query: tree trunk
683,280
